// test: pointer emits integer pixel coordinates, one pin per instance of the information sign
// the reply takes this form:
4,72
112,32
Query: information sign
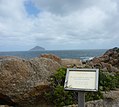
81,79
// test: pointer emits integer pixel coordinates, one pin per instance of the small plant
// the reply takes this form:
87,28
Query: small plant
57,95
108,81
93,96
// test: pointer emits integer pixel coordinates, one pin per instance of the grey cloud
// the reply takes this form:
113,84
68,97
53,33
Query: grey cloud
62,6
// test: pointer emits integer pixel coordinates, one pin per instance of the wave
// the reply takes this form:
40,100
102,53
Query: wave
86,58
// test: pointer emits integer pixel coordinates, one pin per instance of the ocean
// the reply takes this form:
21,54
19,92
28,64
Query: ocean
76,54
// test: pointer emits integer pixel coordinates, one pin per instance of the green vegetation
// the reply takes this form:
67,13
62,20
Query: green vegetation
59,97
108,81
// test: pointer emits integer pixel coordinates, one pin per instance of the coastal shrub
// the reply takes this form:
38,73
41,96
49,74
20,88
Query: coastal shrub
59,97
117,78
93,95
108,81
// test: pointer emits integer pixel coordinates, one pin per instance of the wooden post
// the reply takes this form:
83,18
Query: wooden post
81,99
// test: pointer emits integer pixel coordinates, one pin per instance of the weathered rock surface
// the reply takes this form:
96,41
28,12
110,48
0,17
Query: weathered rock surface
64,62
111,99
4,106
24,80
107,62
51,56
71,62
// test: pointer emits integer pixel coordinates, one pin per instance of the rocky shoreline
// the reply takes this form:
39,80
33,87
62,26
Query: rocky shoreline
23,82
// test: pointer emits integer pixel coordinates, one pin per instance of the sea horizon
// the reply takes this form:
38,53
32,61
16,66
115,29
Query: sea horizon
54,50
83,54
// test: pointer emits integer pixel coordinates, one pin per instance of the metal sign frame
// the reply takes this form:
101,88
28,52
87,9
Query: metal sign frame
75,70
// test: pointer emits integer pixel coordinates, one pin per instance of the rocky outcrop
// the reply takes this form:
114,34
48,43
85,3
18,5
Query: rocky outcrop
4,106
111,99
24,80
64,62
51,56
71,63
5,100
107,62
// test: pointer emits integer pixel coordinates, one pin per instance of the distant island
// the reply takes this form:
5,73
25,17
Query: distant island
37,48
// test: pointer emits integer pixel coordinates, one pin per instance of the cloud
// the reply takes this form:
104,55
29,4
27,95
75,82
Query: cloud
63,24
63,7
68,6
81,21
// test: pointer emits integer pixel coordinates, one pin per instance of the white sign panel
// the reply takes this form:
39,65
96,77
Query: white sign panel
81,79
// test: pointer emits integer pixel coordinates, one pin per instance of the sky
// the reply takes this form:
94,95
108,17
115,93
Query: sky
59,24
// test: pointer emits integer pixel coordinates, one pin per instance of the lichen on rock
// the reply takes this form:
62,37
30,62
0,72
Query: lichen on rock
22,80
